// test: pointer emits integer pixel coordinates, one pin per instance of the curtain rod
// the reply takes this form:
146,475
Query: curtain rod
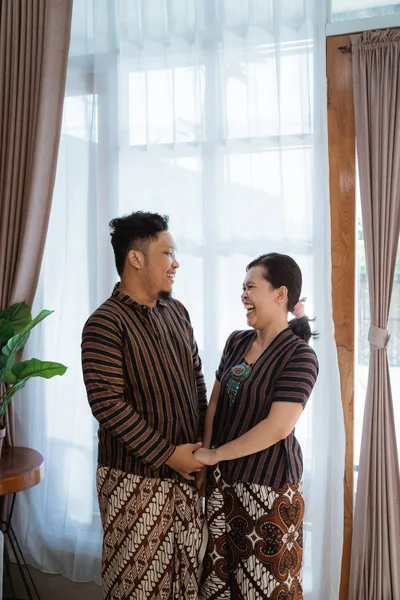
345,49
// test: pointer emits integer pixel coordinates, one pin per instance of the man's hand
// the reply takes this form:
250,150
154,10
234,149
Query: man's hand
183,461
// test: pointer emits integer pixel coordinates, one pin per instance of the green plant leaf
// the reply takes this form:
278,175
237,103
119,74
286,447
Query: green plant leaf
25,370
10,378
5,399
42,315
37,368
6,332
18,315
15,343
10,350
16,324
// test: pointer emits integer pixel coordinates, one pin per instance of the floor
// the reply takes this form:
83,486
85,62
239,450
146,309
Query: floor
51,587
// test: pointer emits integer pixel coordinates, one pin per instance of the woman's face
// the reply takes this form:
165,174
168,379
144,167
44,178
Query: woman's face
263,304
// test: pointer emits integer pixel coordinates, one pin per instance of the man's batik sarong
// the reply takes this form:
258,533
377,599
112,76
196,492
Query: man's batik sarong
153,531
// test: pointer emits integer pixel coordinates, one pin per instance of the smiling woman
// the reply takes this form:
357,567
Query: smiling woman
264,380
275,278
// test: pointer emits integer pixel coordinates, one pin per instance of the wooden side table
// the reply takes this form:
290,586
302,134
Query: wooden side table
20,469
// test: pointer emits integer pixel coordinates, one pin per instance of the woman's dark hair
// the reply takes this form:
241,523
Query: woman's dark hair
134,232
281,270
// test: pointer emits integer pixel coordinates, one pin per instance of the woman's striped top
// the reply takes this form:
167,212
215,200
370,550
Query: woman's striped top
285,372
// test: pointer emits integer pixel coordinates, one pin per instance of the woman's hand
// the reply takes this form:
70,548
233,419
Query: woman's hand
206,457
299,309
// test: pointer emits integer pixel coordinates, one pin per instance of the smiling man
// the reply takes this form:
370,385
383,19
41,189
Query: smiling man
145,387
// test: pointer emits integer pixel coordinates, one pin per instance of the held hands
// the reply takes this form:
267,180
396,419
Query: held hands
206,457
184,461
192,458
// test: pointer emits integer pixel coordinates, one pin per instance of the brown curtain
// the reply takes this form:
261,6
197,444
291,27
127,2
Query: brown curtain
34,42
375,564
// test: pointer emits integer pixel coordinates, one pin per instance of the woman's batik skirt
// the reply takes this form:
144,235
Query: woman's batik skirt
255,543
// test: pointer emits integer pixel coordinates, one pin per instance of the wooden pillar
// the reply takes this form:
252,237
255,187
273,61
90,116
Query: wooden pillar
342,174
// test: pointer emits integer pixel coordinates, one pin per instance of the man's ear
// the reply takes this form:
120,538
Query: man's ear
135,259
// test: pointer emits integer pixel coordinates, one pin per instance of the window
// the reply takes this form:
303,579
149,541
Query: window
233,139
345,10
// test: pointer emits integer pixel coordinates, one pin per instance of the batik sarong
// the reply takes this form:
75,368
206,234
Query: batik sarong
255,543
152,537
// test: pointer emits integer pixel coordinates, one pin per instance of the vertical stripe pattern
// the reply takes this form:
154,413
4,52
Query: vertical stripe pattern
285,372
144,381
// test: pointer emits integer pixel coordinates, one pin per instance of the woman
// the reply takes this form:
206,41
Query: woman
254,494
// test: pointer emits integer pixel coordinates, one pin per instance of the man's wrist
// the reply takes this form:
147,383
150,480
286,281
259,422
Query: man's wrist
171,452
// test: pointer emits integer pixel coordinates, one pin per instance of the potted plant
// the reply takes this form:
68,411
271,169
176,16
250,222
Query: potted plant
16,324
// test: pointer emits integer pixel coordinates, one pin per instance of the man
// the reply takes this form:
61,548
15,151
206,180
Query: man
145,386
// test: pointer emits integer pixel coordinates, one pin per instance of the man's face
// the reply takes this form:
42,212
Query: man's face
159,266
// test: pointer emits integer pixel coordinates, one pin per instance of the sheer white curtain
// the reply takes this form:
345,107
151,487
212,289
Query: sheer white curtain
212,112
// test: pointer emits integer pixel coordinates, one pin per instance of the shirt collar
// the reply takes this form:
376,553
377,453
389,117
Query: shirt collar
131,302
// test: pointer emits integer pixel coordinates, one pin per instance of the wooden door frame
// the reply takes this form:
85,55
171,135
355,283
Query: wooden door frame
342,181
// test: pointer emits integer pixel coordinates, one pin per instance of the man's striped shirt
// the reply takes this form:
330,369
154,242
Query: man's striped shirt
144,381
285,372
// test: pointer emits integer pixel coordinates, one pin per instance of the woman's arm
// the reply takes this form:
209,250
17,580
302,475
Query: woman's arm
280,422
292,390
